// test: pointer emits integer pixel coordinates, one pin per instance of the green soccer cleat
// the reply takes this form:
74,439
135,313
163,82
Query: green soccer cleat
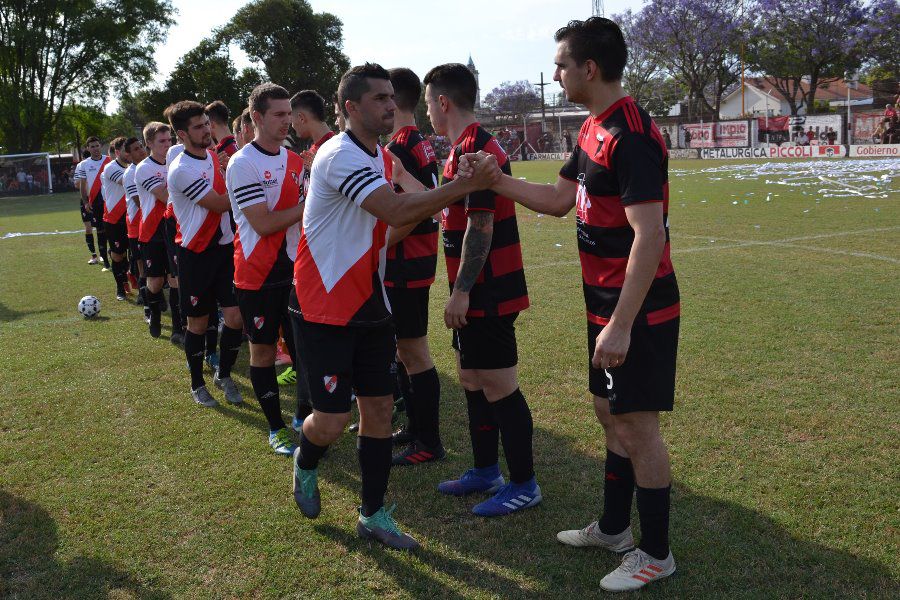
306,490
287,377
382,528
281,442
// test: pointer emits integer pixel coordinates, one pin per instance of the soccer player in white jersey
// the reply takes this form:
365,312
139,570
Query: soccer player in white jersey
87,179
205,249
135,152
153,192
263,180
345,312
112,180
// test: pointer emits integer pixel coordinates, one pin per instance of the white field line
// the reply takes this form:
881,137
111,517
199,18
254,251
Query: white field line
17,234
782,243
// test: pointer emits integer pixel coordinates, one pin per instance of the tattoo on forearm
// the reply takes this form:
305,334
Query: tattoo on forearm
475,250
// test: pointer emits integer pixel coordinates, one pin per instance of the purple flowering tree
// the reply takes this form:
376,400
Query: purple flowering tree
643,71
513,100
814,42
698,42
880,41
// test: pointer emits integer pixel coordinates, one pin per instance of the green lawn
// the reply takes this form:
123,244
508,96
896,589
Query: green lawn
784,440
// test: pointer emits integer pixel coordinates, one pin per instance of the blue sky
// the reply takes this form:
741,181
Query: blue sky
509,40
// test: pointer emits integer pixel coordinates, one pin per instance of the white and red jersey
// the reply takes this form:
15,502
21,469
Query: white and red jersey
339,273
150,175
255,176
89,170
191,178
112,181
171,153
132,202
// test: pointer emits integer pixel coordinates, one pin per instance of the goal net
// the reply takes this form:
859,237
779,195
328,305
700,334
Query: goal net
25,174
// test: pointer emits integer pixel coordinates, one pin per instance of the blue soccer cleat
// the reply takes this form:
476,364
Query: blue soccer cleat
487,479
510,498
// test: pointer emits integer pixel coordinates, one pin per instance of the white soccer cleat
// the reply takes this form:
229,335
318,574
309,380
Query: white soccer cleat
637,570
592,536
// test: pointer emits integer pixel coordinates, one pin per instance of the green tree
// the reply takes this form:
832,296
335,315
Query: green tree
52,51
204,74
300,49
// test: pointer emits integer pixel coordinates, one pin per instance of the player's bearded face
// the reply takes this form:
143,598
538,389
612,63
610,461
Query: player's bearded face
199,132
276,121
376,107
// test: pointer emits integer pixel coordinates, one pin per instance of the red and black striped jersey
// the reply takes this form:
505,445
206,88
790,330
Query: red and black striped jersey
500,288
412,262
228,145
620,160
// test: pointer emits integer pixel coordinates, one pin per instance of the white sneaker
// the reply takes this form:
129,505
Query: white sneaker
94,260
592,536
637,570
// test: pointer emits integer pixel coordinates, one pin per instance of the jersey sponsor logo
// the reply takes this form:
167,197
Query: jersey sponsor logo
267,174
330,382
259,322
194,300
295,177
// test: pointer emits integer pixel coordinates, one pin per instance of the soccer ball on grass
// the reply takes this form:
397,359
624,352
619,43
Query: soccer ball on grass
89,307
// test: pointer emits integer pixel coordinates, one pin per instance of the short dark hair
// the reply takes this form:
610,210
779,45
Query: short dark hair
310,101
128,143
218,112
88,141
181,113
455,81
407,88
600,40
246,119
117,142
261,94
354,83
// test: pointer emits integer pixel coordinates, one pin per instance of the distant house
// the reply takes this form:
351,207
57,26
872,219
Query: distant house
761,97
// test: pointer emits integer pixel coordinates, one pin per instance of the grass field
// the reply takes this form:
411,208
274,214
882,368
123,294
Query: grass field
784,440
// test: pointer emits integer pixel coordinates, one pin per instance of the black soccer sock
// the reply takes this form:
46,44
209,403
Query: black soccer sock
404,384
310,454
101,246
618,491
375,468
89,238
153,303
426,394
120,274
516,429
231,345
653,510
483,430
193,348
175,311
212,333
265,386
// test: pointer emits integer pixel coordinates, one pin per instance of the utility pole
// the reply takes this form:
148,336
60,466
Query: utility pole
543,104
598,9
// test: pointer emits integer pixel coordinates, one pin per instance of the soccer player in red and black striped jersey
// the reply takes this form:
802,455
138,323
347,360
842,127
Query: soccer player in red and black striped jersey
617,180
487,282
409,273
225,143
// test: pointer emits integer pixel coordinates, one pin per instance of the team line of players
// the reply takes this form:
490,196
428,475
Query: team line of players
337,249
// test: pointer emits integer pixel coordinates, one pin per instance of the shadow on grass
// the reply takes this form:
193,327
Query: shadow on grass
8,315
29,567
723,549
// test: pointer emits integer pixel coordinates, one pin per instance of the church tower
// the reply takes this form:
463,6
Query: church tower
472,68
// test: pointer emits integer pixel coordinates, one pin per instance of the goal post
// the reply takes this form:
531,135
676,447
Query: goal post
25,174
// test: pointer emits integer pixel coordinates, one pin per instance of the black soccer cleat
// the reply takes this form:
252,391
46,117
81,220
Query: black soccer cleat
417,453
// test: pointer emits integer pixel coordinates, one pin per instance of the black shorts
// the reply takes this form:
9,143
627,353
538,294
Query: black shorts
117,236
156,260
340,360
169,230
646,380
87,214
264,311
487,343
409,307
206,278
97,213
134,247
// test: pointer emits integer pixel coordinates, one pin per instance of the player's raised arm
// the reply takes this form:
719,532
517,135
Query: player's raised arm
401,209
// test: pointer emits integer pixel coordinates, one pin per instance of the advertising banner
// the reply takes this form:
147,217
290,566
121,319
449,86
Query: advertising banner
684,153
820,129
875,150
866,127
773,151
550,156
724,134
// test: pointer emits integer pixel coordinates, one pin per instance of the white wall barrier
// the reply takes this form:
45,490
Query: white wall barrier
875,150
774,152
